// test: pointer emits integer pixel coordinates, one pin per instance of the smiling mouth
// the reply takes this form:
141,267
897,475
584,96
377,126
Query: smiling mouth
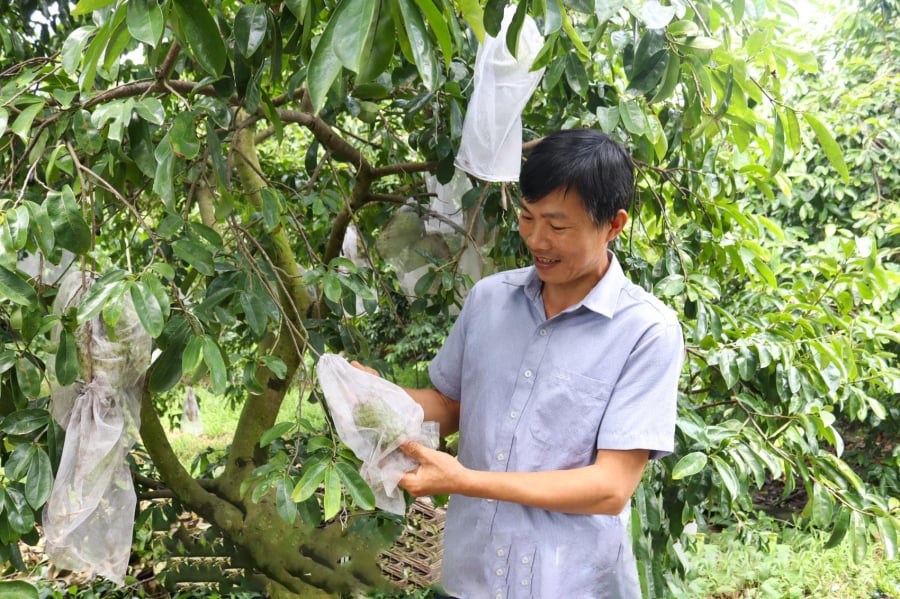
544,261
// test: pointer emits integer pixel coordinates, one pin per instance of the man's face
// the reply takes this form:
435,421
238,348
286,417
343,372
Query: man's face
568,248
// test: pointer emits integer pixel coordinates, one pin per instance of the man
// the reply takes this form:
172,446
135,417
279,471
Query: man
562,380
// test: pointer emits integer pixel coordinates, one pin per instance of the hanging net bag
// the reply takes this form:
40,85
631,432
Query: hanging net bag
89,518
374,417
491,144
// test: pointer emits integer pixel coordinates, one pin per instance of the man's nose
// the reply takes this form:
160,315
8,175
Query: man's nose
537,238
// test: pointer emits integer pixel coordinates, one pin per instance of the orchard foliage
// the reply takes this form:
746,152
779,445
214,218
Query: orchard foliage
207,159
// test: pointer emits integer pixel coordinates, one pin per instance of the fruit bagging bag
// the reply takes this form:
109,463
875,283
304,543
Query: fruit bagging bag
374,417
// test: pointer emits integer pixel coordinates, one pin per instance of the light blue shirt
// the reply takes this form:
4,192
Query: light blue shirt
540,394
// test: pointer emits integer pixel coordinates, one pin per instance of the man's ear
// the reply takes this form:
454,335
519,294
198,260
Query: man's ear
617,224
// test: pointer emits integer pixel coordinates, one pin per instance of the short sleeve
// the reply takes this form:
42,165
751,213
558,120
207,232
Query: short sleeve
643,404
446,368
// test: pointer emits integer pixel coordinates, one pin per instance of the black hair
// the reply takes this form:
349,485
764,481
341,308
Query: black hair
588,161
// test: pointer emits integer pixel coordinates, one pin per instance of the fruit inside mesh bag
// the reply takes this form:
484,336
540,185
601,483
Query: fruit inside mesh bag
374,417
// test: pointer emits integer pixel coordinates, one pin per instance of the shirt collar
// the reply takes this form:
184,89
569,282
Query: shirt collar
602,298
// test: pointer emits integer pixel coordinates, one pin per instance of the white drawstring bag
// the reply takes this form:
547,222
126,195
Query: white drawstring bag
491,145
374,417
89,517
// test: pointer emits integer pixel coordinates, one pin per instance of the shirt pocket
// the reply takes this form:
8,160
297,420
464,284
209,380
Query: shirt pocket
565,420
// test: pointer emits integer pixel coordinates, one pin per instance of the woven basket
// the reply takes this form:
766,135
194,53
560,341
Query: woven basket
414,562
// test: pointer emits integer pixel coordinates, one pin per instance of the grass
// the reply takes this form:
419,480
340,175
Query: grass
792,564
219,419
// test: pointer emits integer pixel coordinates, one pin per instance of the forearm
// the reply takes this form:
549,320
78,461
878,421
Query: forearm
579,491
438,408
605,487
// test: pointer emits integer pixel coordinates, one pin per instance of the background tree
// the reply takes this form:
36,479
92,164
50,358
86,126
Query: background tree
207,159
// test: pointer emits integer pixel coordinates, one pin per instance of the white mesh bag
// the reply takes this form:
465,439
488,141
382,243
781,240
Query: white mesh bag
374,417
491,145
89,518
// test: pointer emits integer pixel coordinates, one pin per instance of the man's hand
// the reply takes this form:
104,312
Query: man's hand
438,473
364,368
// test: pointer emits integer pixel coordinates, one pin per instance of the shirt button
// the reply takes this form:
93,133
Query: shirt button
500,553
499,595
525,582
501,457
543,332
525,560
513,414
499,571
528,374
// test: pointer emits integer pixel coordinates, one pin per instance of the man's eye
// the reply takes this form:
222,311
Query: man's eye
558,228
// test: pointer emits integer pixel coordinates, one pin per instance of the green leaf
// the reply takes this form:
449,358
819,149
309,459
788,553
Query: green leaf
145,21
632,116
14,288
493,16
85,7
841,524
151,109
355,23
70,231
22,125
183,136
250,28
148,309
832,150
650,73
689,465
324,65
358,489
95,297
193,354
379,53
332,286
23,422
332,503
196,254
425,282
776,154
218,374
165,372
17,589
439,26
271,209
66,361
420,43
200,35
313,475
473,13
286,508
255,312
28,375
729,478
552,17
276,432
40,480
275,365
888,533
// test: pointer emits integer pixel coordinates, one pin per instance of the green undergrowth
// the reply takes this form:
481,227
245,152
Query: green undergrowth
771,562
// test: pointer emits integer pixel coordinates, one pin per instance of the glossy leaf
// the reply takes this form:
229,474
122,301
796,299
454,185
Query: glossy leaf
15,289
358,489
66,361
148,309
354,24
200,35
69,228
39,481
689,465
324,65
331,504
215,361
829,146
145,21
97,295
23,422
420,43
276,432
250,26
313,475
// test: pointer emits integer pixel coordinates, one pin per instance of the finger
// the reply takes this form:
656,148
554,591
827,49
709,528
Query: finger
411,449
